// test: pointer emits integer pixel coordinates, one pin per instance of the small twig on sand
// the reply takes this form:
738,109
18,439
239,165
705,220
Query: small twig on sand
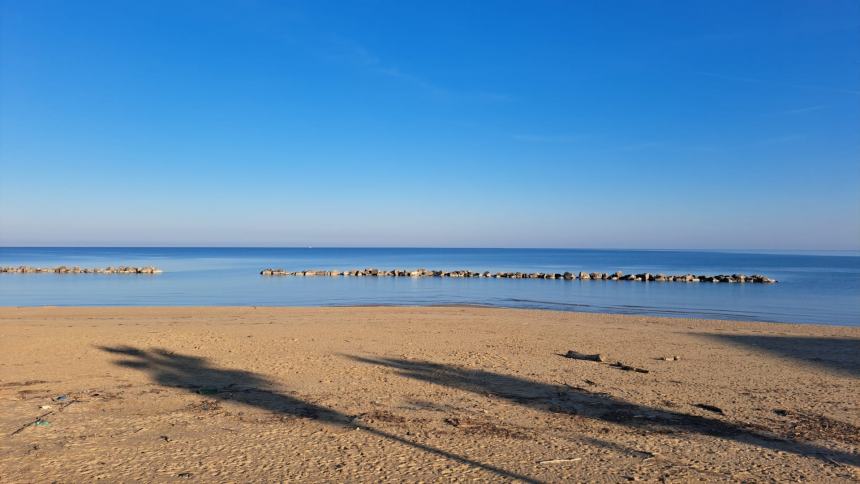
624,367
559,461
32,422
40,417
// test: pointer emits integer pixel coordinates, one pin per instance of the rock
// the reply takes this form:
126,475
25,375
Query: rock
645,276
79,270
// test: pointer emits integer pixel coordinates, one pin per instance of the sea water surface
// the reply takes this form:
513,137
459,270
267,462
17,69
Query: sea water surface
813,287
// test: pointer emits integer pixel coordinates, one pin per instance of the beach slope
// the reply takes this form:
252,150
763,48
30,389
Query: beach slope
387,394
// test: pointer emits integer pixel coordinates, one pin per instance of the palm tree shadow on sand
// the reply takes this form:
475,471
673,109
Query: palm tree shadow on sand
196,374
839,355
604,407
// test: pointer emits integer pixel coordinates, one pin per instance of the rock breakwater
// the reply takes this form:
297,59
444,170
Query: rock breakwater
79,270
566,276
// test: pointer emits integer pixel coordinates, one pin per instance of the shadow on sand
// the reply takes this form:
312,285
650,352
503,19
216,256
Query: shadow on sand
838,354
195,374
599,406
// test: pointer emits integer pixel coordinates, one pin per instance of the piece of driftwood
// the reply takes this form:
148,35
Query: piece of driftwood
583,356
710,408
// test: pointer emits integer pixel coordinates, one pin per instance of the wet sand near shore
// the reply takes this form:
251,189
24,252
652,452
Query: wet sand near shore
383,394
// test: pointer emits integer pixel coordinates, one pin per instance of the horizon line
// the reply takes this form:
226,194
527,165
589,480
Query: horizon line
382,247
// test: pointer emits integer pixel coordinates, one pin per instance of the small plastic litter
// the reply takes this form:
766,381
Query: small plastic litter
61,398
46,407
41,423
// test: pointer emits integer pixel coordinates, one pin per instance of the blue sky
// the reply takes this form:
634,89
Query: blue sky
495,124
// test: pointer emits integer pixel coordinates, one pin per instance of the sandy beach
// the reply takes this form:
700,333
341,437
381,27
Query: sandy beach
376,394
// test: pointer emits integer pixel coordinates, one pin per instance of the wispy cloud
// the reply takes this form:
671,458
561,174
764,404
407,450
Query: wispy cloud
781,140
351,52
721,36
768,82
638,146
549,138
424,84
493,96
807,109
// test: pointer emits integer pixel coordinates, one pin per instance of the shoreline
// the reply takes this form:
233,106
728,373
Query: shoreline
382,394
680,315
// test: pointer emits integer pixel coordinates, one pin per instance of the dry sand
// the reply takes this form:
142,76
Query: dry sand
391,394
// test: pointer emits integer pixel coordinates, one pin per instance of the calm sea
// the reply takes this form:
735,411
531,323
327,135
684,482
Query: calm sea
813,287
